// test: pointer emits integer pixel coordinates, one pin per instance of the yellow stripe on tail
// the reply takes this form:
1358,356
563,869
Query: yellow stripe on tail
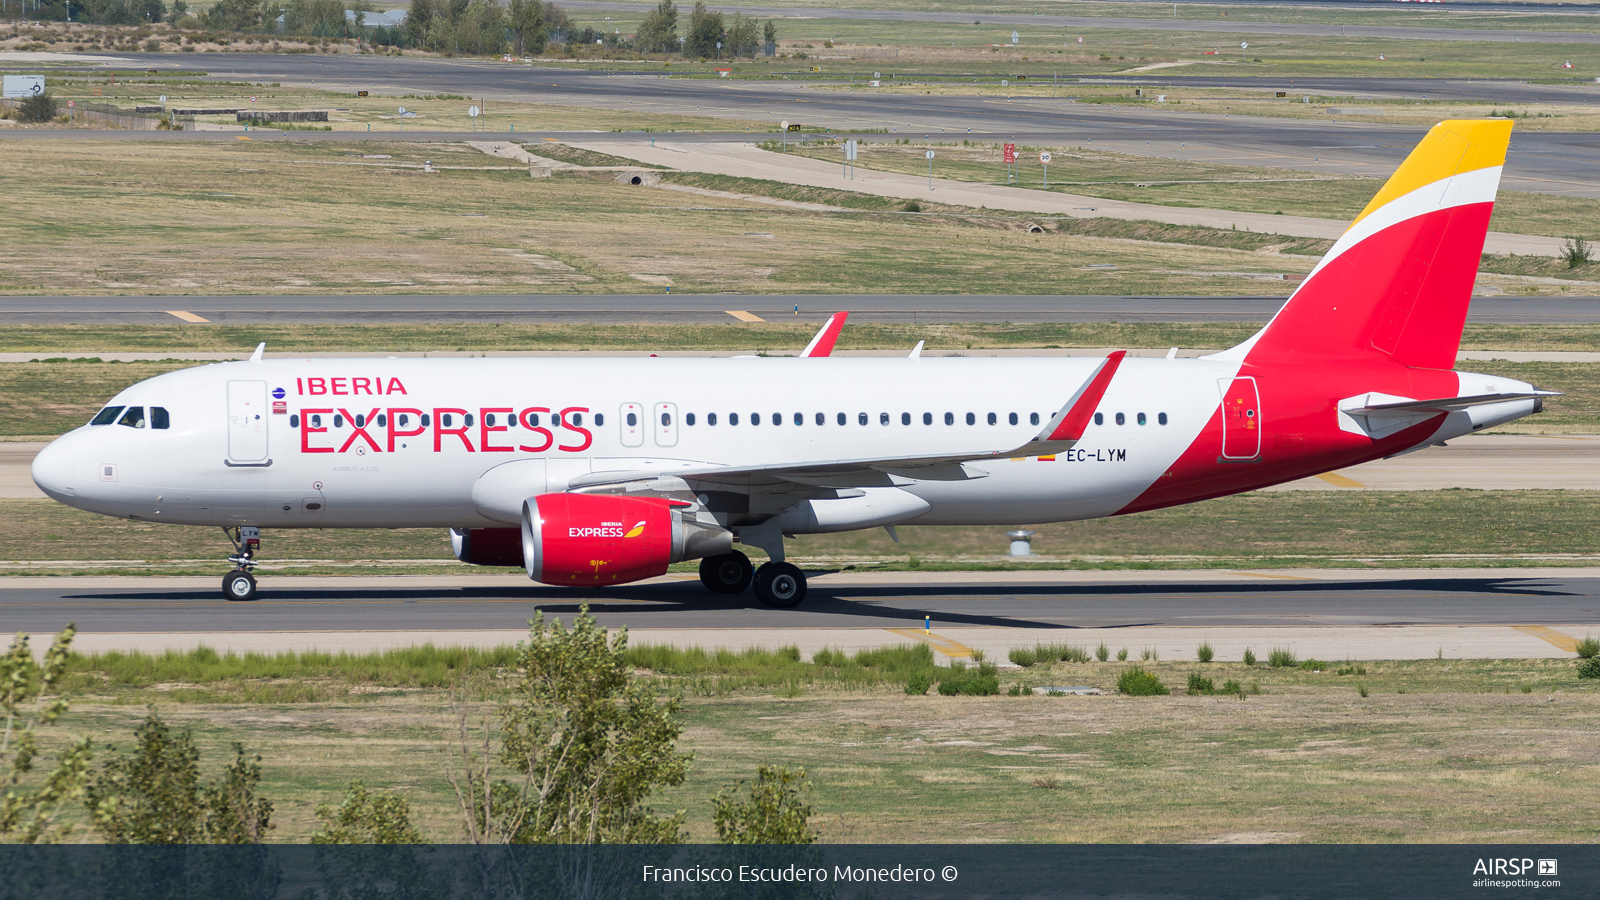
1450,148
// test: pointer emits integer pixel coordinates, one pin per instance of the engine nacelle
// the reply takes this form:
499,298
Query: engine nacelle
594,539
487,546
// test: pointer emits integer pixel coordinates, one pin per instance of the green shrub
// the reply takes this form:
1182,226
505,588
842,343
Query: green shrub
1122,655
1204,653
1102,652
1249,657
1018,690
1362,689
1280,657
913,206
1136,682
958,679
918,684
1232,687
1313,665
981,686
1352,669
1200,685
38,108
1075,654
1589,668
1588,648
1023,657
977,656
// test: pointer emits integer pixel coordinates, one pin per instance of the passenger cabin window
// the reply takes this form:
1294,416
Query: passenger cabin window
927,418
905,418
316,421
1121,419
444,420
755,418
861,418
842,419
383,420
405,420
689,419
1012,419
294,421
733,418
632,420
777,418
107,416
972,419
1099,418
425,420
338,420
159,418
993,420
488,419
1161,418
599,419
949,418
133,418
799,418
1033,418
666,418
711,418
822,419
1140,419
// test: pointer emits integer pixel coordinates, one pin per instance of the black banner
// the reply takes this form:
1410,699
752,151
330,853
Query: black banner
824,872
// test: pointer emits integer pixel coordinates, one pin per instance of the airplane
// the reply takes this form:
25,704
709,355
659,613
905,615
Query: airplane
599,472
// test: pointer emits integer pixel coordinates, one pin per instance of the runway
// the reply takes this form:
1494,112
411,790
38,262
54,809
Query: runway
1554,162
711,309
1371,615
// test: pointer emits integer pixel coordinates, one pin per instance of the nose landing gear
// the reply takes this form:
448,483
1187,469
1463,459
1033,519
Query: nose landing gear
239,585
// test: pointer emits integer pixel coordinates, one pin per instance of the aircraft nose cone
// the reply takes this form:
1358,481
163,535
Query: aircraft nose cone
55,469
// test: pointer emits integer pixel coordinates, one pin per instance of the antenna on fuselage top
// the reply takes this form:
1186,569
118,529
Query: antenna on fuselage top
260,349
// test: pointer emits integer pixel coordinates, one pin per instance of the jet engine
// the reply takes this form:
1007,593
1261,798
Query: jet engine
595,539
487,546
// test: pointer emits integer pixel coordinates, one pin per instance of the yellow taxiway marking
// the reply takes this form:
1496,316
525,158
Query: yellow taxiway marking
552,140
186,316
1550,636
1271,575
1337,480
942,644
743,316
243,138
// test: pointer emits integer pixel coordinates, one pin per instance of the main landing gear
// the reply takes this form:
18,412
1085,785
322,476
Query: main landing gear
239,585
777,584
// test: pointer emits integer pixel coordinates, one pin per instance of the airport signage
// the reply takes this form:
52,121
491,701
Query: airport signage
793,126
1010,154
1044,157
20,87
361,93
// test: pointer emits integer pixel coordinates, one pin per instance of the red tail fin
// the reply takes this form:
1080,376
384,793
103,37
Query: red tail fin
1399,281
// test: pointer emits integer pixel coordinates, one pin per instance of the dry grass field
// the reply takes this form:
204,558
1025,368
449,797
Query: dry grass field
1437,752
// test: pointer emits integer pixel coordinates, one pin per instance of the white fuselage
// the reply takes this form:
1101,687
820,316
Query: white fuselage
276,443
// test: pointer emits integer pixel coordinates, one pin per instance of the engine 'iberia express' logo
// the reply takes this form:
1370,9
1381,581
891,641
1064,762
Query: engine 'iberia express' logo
636,530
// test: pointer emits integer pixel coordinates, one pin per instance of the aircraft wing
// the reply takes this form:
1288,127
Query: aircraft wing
1063,431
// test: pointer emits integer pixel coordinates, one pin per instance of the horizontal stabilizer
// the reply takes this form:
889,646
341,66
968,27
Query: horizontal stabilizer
1445,404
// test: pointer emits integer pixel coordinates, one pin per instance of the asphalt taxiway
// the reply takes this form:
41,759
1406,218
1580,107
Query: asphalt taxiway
1328,613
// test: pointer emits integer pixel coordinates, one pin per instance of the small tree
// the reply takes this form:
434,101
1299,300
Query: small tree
1577,252
769,31
705,31
743,37
773,813
154,795
525,19
38,108
587,742
366,819
28,700
658,33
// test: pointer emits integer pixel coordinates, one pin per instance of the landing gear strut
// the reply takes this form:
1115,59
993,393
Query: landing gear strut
240,585
780,585
726,573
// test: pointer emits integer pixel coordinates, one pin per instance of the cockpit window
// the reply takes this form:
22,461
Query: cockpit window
159,418
133,418
107,416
